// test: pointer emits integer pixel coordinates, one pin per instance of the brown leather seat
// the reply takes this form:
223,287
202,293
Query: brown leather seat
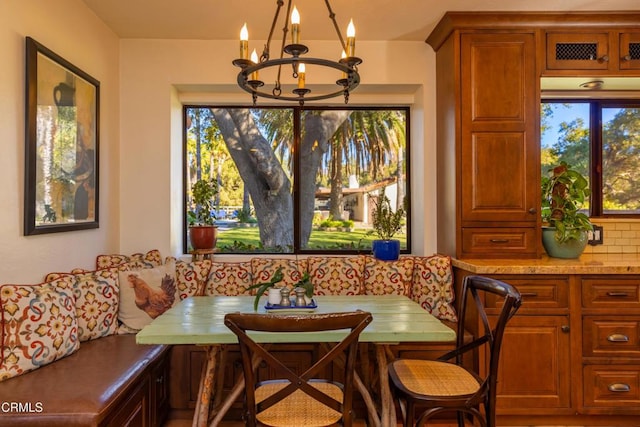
83,389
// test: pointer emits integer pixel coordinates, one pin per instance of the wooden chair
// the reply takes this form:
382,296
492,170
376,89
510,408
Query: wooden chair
441,386
298,400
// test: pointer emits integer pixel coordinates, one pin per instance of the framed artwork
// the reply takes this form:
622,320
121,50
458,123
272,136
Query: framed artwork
61,141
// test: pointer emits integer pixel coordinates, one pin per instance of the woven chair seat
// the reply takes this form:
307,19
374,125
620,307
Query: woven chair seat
434,378
310,412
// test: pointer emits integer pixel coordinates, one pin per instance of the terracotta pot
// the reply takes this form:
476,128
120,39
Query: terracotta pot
202,236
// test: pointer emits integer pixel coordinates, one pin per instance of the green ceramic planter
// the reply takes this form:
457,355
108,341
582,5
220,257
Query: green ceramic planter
570,249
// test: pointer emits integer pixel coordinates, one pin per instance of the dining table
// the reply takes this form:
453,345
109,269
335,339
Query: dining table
199,320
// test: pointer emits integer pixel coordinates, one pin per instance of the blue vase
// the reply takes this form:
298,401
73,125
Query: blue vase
386,250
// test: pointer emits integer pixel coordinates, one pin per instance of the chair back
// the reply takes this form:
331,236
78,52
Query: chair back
490,334
352,322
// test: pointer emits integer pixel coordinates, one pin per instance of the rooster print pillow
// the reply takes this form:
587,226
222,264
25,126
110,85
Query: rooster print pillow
146,294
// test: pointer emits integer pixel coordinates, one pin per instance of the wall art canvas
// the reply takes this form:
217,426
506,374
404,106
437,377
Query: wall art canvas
61,156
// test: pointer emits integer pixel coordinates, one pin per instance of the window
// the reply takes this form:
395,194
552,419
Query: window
298,180
600,138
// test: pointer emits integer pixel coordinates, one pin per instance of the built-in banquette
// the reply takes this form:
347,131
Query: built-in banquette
82,326
489,68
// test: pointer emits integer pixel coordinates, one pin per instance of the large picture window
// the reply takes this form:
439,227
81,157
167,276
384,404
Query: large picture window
298,180
601,139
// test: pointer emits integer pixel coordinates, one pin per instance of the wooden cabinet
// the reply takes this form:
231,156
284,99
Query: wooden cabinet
611,344
535,364
609,51
487,142
571,354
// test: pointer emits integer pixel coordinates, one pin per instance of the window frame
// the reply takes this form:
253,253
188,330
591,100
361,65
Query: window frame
596,106
297,112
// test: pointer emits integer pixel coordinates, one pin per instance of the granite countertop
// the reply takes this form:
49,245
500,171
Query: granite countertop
586,264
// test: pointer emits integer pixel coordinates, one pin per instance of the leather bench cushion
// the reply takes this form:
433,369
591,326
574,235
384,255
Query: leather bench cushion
81,389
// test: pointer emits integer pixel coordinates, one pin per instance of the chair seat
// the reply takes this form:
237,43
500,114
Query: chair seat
309,411
433,378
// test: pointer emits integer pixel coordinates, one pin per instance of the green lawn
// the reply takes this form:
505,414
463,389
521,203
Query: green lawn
244,239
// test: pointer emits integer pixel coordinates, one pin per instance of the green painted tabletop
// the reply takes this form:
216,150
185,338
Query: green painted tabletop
199,320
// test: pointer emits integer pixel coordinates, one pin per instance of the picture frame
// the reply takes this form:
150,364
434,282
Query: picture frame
61,144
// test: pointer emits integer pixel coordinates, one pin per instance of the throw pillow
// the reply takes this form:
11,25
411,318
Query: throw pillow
388,277
97,295
433,286
191,276
39,326
264,268
228,278
151,258
145,294
336,275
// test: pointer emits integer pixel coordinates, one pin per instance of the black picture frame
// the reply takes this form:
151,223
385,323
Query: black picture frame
62,121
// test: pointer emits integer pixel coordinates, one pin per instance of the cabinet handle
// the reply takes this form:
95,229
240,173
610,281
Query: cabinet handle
617,294
627,57
565,328
532,210
619,387
160,380
605,58
618,338
499,240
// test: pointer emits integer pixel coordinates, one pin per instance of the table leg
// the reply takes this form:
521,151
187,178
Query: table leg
388,410
233,395
201,414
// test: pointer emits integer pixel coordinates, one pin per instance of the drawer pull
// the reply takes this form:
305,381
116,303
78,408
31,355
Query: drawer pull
499,240
528,294
619,388
618,338
617,294
565,328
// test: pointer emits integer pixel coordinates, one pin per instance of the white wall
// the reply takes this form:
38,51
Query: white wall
158,75
72,31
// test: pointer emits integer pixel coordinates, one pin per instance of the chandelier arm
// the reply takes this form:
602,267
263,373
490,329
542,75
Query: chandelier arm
332,16
273,26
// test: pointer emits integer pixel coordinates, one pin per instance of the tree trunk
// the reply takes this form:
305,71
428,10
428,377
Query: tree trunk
319,128
262,175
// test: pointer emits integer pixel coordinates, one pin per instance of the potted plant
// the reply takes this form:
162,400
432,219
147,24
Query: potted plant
565,228
202,231
386,223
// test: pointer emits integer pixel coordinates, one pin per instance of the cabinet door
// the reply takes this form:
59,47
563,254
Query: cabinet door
630,51
500,148
535,368
578,51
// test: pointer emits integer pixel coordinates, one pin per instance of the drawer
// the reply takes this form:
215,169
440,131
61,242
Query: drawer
489,241
536,293
611,336
611,293
612,386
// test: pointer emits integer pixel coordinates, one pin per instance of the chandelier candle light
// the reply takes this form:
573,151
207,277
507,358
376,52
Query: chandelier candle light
347,65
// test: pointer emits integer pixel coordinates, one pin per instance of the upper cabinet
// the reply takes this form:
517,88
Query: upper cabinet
611,52
488,71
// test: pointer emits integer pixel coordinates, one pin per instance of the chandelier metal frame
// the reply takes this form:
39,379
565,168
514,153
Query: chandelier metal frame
347,65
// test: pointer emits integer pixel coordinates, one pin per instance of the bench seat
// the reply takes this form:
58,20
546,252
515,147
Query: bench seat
106,382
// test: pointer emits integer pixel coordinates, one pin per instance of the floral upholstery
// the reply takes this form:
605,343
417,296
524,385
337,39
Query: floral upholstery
191,276
151,258
336,275
97,295
39,326
433,286
263,269
388,277
229,278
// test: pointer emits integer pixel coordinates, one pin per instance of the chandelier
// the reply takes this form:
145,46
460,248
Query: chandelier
346,68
